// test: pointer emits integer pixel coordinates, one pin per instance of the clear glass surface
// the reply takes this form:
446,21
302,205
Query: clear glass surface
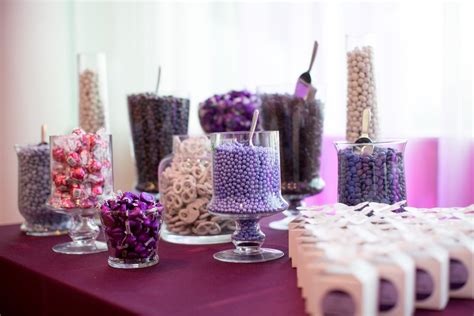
300,125
372,172
185,183
246,187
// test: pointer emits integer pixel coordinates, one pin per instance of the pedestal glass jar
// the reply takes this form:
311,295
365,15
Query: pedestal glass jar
185,182
154,119
132,227
81,173
246,187
93,98
34,187
372,172
300,125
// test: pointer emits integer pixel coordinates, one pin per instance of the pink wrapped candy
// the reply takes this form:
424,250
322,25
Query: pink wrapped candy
81,169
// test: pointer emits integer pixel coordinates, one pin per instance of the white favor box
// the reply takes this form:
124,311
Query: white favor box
431,275
396,272
299,245
337,288
461,270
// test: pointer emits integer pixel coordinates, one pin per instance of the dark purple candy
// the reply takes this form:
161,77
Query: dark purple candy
230,112
376,177
132,229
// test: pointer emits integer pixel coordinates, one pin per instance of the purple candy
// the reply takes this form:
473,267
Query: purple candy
376,177
246,180
131,224
228,112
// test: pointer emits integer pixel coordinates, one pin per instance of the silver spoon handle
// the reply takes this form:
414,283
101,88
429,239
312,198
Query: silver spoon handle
313,56
158,80
366,116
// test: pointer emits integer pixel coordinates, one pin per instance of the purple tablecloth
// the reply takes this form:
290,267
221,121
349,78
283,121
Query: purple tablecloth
35,280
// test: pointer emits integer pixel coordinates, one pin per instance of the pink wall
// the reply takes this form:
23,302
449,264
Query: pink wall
421,170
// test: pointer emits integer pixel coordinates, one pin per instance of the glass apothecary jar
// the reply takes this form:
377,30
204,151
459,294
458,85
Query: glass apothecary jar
246,187
93,97
154,119
81,174
34,187
185,183
300,125
372,172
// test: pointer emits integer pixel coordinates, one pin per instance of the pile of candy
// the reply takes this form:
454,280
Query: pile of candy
34,187
132,224
411,257
154,120
92,111
186,189
377,176
300,125
246,180
230,112
81,170
361,93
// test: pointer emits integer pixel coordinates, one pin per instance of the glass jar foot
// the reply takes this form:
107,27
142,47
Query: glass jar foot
41,231
80,248
283,223
133,264
167,236
236,256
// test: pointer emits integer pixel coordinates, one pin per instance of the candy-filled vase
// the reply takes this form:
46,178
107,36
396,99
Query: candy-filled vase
246,187
300,125
81,173
132,226
185,183
154,119
372,172
34,187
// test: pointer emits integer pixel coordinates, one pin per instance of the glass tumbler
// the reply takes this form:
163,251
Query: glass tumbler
246,187
372,172
132,226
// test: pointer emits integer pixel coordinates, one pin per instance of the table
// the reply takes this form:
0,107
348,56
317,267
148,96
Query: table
35,280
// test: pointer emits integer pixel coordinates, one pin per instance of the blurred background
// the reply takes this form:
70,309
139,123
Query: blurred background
423,63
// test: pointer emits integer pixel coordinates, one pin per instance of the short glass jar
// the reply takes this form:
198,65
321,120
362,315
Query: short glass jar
132,226
372,172
185,183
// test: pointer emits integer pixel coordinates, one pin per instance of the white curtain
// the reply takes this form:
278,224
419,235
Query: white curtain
423,64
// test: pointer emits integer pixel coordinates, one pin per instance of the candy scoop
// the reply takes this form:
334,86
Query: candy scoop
303,85
364,135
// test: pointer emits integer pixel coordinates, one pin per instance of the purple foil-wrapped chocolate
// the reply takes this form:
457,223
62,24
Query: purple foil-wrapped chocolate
230,112
132,225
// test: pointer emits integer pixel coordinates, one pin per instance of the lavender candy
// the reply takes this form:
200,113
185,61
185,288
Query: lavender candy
246,180
376,177
34,187
229,112
132,224
154,120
